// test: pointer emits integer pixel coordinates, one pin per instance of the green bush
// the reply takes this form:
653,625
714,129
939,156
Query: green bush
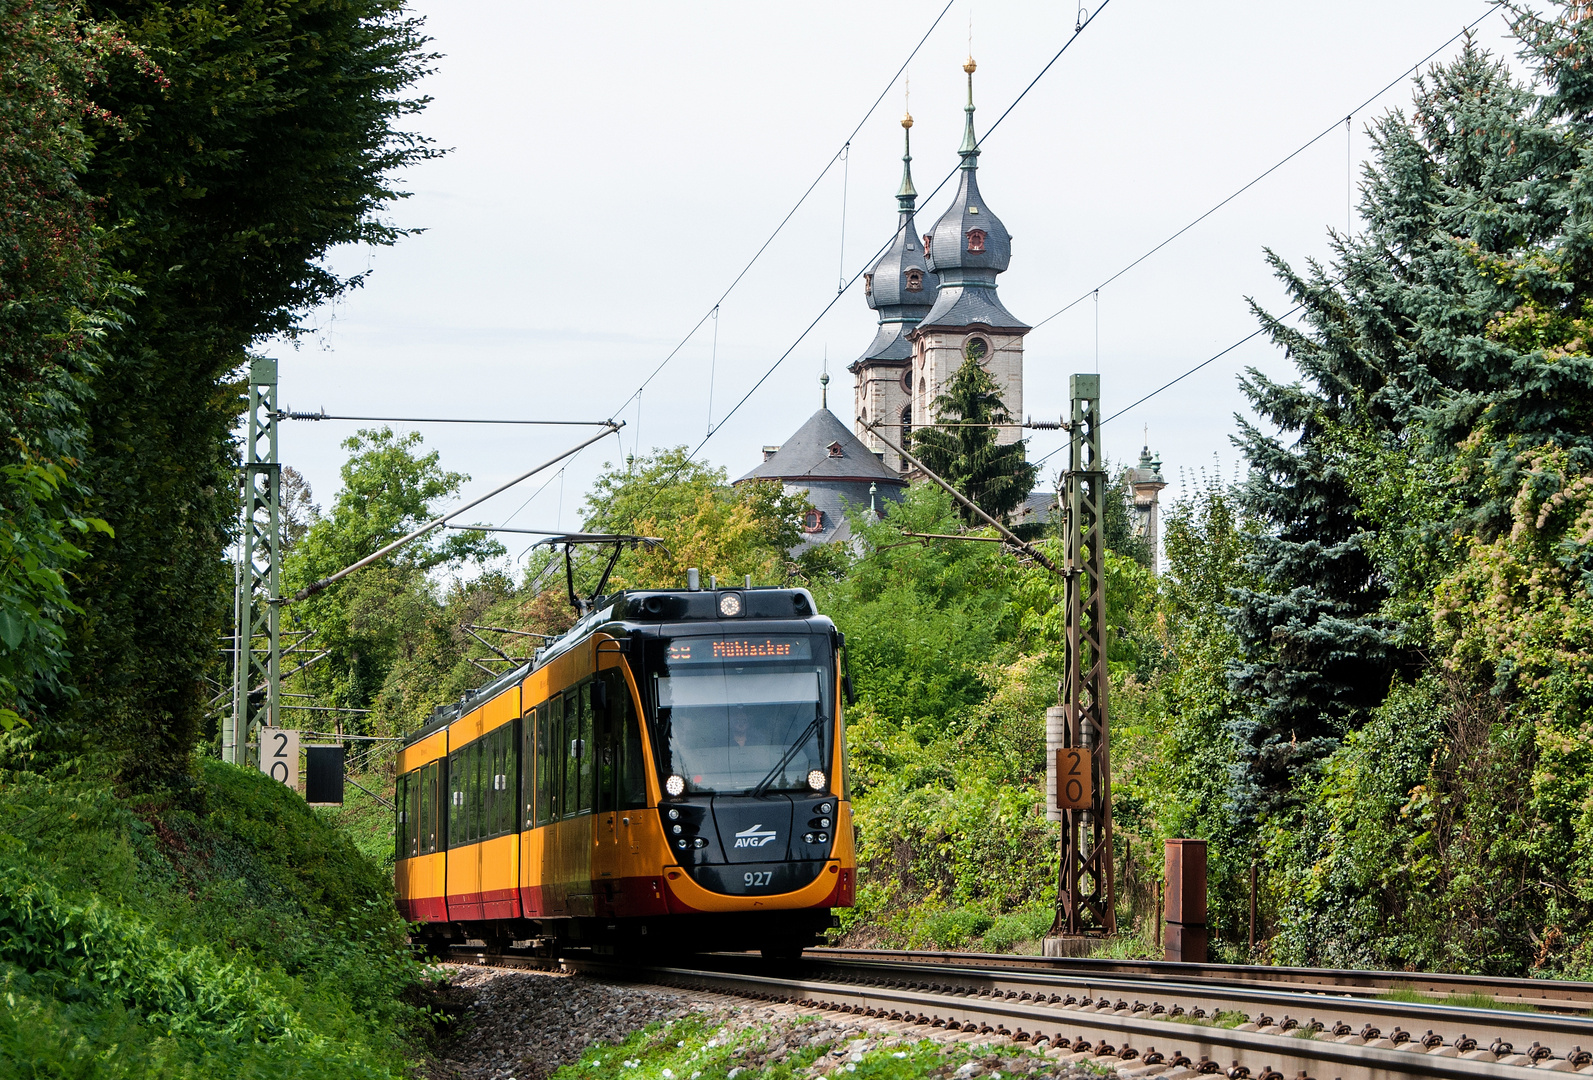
1018,926
955,928
231,933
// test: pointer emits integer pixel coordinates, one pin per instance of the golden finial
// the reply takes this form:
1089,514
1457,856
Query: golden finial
907,121
970,67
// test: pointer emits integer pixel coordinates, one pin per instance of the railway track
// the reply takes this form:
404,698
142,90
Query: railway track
1144,1023
1543,995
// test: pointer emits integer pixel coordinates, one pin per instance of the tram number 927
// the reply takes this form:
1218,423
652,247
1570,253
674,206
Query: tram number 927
757,878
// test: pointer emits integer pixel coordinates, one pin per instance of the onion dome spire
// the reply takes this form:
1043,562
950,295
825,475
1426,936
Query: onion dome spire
970,145
907,195
900,286
968,247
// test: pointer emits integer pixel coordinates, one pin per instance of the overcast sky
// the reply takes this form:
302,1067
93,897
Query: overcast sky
614,166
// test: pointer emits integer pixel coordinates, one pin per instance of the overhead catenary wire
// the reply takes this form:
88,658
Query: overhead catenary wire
1078,30
792,212
881,249
1264,328
288,414
1265,173
316,586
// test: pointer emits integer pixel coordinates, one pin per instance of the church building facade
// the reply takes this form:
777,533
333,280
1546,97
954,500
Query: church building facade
937,304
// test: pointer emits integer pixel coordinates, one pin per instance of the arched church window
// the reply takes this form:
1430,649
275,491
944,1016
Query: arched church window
976,241
915,281
977,349
907,422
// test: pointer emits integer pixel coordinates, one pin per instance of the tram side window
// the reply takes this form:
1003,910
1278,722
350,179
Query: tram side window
547,763
488,769
414,825
401,823
528,792
588,749
570,749
503,793
427,835
631,771
457,829
477,797
604,708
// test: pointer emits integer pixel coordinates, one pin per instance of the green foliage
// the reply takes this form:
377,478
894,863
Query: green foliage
265,140
704,522
51,300
36,520
378,616
774,1051
995,477
240,936
955,928
1017,928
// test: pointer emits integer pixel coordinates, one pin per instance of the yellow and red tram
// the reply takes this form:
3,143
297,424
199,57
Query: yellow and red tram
668,775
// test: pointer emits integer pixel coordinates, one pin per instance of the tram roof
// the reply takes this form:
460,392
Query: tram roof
646,606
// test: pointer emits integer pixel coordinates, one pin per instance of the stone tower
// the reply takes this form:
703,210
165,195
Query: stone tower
901,287
966,249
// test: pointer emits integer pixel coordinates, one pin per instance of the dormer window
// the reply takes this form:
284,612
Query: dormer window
927,238
976,241
915,281
813,521
834,449
868,284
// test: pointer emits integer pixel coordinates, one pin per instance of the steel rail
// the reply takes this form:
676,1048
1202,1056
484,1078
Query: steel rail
1548,995
1044,1006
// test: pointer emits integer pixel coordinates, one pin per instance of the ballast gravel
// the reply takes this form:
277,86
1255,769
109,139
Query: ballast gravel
513,1024
525,1024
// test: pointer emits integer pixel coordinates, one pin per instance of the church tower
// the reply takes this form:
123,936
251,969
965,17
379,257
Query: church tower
966,249
901,287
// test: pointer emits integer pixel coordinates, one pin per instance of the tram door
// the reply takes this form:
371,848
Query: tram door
621,795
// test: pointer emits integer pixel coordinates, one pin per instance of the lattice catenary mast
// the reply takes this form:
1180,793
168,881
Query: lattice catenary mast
1085,886
258,658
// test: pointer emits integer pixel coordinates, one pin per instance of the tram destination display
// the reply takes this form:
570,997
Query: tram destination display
698,650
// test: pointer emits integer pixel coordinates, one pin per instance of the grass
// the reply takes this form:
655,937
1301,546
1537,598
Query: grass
1465,1001
225,929
696,1048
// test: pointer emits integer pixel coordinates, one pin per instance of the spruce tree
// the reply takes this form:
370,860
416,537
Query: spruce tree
995,476
1397,365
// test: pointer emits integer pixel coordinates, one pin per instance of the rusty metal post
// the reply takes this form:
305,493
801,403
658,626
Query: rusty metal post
1086,892
1185,938
1252,905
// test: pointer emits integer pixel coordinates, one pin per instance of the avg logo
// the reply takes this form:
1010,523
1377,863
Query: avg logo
756,836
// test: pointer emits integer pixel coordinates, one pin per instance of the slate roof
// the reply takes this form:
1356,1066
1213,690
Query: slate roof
967,305
890,344
948,246
899,307
805,457
967,295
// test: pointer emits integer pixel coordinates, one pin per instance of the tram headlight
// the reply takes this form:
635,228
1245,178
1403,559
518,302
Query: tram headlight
674,815
730,605
816,780
677,830
676,785
681,844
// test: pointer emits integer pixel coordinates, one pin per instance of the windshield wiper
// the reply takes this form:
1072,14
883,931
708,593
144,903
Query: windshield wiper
779,766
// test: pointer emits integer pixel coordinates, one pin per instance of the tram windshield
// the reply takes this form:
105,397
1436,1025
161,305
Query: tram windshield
742,714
